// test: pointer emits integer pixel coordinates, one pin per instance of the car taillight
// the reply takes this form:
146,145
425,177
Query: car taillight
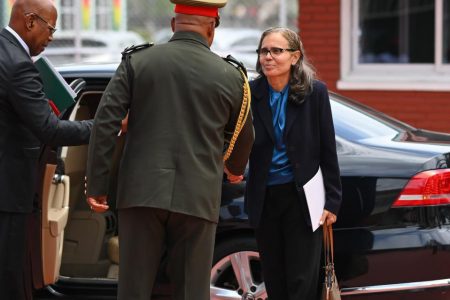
426,188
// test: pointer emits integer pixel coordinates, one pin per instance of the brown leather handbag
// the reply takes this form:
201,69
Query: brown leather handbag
330,289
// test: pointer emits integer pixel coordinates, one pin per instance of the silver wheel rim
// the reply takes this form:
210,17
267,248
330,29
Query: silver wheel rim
239,268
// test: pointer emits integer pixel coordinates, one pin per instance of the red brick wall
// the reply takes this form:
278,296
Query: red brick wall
320,32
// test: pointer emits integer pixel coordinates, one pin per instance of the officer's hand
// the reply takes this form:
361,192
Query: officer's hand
124,127
98,203
231,177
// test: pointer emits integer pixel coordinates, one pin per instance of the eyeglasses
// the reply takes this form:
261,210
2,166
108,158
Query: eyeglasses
51,28
274,51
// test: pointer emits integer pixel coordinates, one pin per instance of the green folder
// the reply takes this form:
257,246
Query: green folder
56,88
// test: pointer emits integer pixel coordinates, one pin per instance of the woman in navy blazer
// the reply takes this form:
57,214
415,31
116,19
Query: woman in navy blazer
294,136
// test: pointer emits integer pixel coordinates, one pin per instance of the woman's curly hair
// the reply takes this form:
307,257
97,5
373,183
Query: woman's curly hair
302,73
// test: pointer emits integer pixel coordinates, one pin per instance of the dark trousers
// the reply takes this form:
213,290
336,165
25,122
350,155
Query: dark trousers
14,285
290,252
145,233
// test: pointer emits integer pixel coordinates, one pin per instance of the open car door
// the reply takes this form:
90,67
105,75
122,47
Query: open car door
55,212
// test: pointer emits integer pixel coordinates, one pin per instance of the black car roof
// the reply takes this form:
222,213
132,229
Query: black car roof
94,70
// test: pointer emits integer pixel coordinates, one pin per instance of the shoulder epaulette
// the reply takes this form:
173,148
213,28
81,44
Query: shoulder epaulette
126,59
239,65
135,48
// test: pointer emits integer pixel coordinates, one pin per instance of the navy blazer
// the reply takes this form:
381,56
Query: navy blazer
26,121
310,143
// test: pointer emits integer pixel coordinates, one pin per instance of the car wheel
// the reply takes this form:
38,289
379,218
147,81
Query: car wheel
236,271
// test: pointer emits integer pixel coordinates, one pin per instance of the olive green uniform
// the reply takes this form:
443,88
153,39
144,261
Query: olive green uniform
184,99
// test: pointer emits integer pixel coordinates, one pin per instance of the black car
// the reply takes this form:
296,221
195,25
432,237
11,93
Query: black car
392,238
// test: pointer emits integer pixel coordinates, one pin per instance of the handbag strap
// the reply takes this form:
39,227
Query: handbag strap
328,244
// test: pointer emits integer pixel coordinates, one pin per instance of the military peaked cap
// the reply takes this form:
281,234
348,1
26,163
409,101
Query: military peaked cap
207,8
206,3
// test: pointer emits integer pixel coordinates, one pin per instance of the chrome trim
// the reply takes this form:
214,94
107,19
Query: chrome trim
53,291
396,287
84,280
58,178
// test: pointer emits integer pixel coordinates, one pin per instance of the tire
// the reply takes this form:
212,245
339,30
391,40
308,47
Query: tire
236,271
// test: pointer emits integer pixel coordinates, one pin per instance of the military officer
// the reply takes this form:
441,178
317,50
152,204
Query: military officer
182,99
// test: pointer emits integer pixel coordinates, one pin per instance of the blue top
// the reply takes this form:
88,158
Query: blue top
280,169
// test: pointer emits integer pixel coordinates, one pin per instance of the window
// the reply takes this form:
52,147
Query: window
395,44
104,15
356,124
396,31
67,12
446,40
2,13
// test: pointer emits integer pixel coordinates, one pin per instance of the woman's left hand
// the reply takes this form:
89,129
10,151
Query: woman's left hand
328,217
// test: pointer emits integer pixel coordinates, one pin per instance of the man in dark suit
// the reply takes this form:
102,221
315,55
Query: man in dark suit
26,122
184,99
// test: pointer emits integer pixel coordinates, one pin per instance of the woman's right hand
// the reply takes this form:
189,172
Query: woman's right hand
328,217
231,177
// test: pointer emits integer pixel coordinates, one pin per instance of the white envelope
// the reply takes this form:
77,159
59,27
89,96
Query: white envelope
315,198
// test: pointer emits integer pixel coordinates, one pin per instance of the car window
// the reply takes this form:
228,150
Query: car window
62,42
253,42
92,43
95,46
354,125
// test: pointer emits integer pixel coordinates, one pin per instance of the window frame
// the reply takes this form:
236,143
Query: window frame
418,77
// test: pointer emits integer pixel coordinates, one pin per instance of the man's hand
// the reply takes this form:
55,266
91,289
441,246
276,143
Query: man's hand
327,217
98,203
124,127
231,177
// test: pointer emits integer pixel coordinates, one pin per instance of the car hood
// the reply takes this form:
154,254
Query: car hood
418,142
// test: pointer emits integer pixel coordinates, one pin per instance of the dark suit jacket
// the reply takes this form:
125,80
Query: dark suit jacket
185,98
26,121
310,142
